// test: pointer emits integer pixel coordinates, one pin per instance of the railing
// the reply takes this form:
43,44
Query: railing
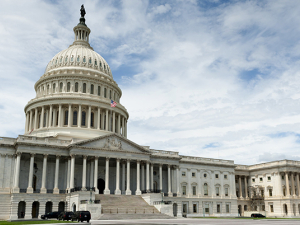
150,191
62,191
37,191
43,139
211,160
163,152
162,202
80,189
7,140
22,190
128,211
90,202
50,191
165,194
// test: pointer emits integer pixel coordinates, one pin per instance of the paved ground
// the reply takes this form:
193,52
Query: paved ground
200,221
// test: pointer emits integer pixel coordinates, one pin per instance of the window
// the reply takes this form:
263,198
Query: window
84,59
104,66
183,174
104,92
90,60
66,117
218,208
245,208
269,178
217,191
48,87
114,96
206,210
260,179
194,208
205,189
270,192
55,61
66,59
68,86
95,62
84,88
92,119
193,174
225,176
100,64
109,94
53,88
205,175
253,180
283,190
227,208
72,58
44,122
262,193
271,208
75,118
83,119
184,208
60,59
57,118
92,89
183,190
60,87
99,90
282,177
78,58
194,190
226,191
76,87
217,175
263,208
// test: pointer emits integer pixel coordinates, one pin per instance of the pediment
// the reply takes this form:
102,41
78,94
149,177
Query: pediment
112,142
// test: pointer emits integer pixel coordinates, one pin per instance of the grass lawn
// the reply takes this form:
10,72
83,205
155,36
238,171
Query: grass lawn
244,218
32,222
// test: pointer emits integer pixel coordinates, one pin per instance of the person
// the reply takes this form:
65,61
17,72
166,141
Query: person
82,11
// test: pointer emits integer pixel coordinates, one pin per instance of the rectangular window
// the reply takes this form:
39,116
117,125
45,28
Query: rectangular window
183,174
206,210
217,191
260,179
99,89
193,174
263,208
194,190
226,191
253,180
217,175
218,208
183,190
282,177
270,192
262,193
269,178
184,208
104,92
194,208
225,176
227,208
271,208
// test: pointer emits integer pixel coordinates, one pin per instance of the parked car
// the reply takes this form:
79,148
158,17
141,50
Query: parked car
81,216
257,215
50,215
65,216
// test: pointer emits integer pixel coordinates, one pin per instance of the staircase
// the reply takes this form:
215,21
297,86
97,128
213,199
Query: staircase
116,207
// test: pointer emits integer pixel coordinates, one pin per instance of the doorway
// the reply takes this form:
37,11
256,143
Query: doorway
35,209
21,209
61,206
175,209
74,207
48,207
101,185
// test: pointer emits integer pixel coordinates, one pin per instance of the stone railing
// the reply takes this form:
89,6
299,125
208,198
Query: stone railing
280,163
241,167
166,153
43,140
6,140
206,160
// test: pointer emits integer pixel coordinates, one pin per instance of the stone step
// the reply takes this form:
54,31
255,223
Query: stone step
133,216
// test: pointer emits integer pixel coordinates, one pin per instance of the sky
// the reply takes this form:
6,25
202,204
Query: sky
210,78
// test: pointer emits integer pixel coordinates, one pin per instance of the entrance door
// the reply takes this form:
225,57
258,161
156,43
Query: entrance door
175,209
35,209
21,209
101,185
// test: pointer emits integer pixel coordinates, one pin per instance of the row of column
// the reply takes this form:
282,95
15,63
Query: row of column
245,186
114,123
292,192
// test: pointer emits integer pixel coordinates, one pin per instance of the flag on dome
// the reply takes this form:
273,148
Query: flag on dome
113,103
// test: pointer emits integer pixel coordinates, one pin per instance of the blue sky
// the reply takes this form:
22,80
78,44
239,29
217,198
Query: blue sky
216,79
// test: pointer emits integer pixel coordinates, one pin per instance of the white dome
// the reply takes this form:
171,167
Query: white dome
79,56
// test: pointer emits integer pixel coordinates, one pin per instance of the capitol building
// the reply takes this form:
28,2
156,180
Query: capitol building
75,155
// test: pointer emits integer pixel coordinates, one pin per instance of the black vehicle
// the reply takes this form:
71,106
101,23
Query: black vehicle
65,216
81,216
257,215
50,215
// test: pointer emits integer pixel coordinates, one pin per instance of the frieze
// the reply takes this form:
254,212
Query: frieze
112,143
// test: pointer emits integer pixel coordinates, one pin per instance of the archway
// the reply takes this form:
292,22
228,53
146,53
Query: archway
74,207
175,209
61,206
21,209
101,185
48,207
35,209
240,210
285,210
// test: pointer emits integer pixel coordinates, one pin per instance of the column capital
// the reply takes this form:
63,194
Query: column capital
96,157
32,154
107,158
170,166
128,160
18,153
58,156
45,155
72,155
84,156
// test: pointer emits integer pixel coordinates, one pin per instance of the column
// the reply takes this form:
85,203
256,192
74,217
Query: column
246,188
138,189
123,177
199,182
170,194
151,177
68,174
83,188
123,127
98,121
47,117
91,174
107,191
96,176
178,181
50,116
35,118
128,191
287,185
54,117
147,177
298,184
42,117
59,116
69,115
102,120
56,190
106,121
43,188
26,123
118,191
240,187
160,178
30,122
119,122
17,174
143,176
293,185
189,183
89,117
72,171
114,122
79,116
29,188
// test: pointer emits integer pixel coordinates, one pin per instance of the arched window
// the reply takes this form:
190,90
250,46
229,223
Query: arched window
60,87
57,118
72,58
99,90
90,60
205,189
95,62
44,122
84,88
78,58
60,59
68,86
100,64
66,117
48,87
76,87
75,118
83,118
55,61
84,59
104,66
114,96
53,88
66,59
92,119
92,89
39,120
109,94
104,92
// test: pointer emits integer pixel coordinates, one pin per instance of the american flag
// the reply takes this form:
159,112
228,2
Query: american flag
113,103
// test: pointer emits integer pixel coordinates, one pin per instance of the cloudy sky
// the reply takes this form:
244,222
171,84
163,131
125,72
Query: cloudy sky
217,79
